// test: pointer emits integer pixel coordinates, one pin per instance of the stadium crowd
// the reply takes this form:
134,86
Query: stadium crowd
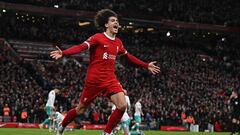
194,79
211,12
18,90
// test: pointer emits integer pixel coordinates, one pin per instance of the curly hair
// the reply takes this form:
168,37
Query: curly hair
102,18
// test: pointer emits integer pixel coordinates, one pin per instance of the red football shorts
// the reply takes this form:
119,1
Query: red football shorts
90,91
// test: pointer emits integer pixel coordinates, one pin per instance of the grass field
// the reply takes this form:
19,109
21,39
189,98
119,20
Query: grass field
18,131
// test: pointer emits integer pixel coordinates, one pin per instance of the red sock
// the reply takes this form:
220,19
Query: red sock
71,115
114,119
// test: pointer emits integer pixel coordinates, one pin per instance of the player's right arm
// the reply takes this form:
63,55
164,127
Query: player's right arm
74,49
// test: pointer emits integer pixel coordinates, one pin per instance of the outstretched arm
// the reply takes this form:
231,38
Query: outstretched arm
72,50
75,49
150,66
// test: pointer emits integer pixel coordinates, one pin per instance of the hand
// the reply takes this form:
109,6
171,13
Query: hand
152,68
56,54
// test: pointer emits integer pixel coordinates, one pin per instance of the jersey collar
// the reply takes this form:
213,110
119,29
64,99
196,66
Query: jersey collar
111,38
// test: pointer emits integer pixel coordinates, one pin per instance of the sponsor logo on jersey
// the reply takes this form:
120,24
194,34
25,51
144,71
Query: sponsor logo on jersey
108,56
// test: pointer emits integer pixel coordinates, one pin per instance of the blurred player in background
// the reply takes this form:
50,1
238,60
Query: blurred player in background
57,120
234,101
125,121
49,108
101,79
137,115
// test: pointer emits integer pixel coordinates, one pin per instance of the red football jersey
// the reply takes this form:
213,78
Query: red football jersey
103,52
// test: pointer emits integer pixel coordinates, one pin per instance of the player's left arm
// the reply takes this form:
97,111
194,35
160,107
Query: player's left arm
150,66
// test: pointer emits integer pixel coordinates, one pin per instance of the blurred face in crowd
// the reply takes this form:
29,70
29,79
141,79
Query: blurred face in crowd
112,25
234,93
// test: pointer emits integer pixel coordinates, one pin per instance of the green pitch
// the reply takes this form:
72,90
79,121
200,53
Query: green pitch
19,131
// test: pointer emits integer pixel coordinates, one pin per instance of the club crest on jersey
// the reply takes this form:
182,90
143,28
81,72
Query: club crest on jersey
108,56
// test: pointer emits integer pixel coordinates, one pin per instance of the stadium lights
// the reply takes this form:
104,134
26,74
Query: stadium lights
168,34
150,29
56,6
4,11
223,39
129,27
84,23
138,30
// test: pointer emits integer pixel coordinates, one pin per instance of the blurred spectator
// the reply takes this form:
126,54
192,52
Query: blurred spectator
188,81
6,110
205,11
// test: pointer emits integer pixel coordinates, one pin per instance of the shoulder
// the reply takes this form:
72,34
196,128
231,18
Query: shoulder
118,40
98,35
95,37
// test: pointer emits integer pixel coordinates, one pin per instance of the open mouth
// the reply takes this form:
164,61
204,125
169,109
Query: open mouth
115,27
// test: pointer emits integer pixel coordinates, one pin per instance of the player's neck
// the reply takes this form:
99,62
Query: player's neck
110,34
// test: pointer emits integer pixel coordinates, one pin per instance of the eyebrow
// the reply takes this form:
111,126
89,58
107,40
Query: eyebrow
114,19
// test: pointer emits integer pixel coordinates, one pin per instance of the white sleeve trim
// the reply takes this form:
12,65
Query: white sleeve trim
87,44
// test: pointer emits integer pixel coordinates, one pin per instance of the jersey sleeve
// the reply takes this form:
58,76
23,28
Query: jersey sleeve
131,58
91,41
122,50
82,47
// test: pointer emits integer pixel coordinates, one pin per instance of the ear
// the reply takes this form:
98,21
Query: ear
106,25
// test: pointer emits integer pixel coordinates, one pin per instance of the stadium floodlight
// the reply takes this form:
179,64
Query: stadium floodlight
223,39
56,6
4,11
168,34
